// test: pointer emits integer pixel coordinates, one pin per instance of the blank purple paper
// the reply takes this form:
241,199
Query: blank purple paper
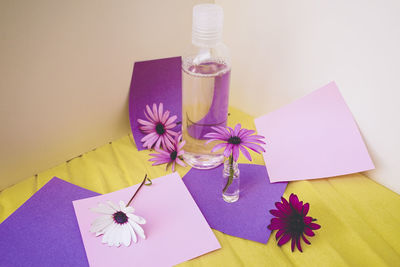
247,218
44,230
155,81
313,137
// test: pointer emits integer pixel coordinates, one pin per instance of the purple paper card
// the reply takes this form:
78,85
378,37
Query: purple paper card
248,217
44,230
155,81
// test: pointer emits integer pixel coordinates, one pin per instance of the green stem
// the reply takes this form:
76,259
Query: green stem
231,173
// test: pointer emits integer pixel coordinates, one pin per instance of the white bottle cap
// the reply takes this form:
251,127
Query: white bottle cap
207,24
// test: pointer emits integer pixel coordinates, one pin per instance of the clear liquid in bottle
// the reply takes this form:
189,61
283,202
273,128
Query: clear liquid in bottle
205,97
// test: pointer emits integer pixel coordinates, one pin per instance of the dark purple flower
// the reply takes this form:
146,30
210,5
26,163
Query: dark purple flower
235,140
292,222
158,127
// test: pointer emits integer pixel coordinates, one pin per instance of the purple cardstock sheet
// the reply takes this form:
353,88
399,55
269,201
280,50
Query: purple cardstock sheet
44,230
155,81
247,218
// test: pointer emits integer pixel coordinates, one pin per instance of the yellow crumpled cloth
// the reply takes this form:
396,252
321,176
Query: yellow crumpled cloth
360,219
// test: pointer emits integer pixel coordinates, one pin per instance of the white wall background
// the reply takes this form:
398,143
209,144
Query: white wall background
65,68
283,50
65,71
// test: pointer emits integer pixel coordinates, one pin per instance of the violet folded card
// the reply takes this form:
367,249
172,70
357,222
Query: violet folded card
313,137
247,218
155,81
44,230
175,229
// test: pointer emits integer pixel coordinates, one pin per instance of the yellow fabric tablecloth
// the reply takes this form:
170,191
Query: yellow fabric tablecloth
360,219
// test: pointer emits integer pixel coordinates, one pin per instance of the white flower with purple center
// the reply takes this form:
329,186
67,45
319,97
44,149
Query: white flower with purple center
118,224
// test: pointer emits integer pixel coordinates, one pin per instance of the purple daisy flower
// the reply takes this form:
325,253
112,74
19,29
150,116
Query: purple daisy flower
158,127
235,140
171,155
292,222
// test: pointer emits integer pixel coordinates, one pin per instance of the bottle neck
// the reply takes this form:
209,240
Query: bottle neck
206,38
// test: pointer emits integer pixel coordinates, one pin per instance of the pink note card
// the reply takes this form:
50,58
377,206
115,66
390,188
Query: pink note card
313,137
176,231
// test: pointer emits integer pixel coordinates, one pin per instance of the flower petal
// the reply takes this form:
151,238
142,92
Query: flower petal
235,153
155,113
212,140
315,226
253,140
151,115
230,130
102,208
245,152
279,233
308,231
283,208
112,205
133,234
158,143
298,244
286,237
160,111
117,236
171,120
170,126
165,117
276,224
285,203
293,244
306,240
139,230
173,166
122,205
273,227
160,161
151,141
107,234
148,136
244,132
219,146
277,213
180,162
143,122
237,128
305,209
307,220
256,148
228,150
181,145
136,218
223,131
104,230
129,209
101,223
293,199
168,143
126,235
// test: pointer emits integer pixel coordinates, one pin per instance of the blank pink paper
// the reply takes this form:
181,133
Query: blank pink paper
313,137
176,230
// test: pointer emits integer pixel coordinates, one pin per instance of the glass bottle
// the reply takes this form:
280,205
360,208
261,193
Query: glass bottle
230,181
205,86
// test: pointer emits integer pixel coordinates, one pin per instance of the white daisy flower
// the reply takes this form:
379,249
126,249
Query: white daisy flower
118,225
